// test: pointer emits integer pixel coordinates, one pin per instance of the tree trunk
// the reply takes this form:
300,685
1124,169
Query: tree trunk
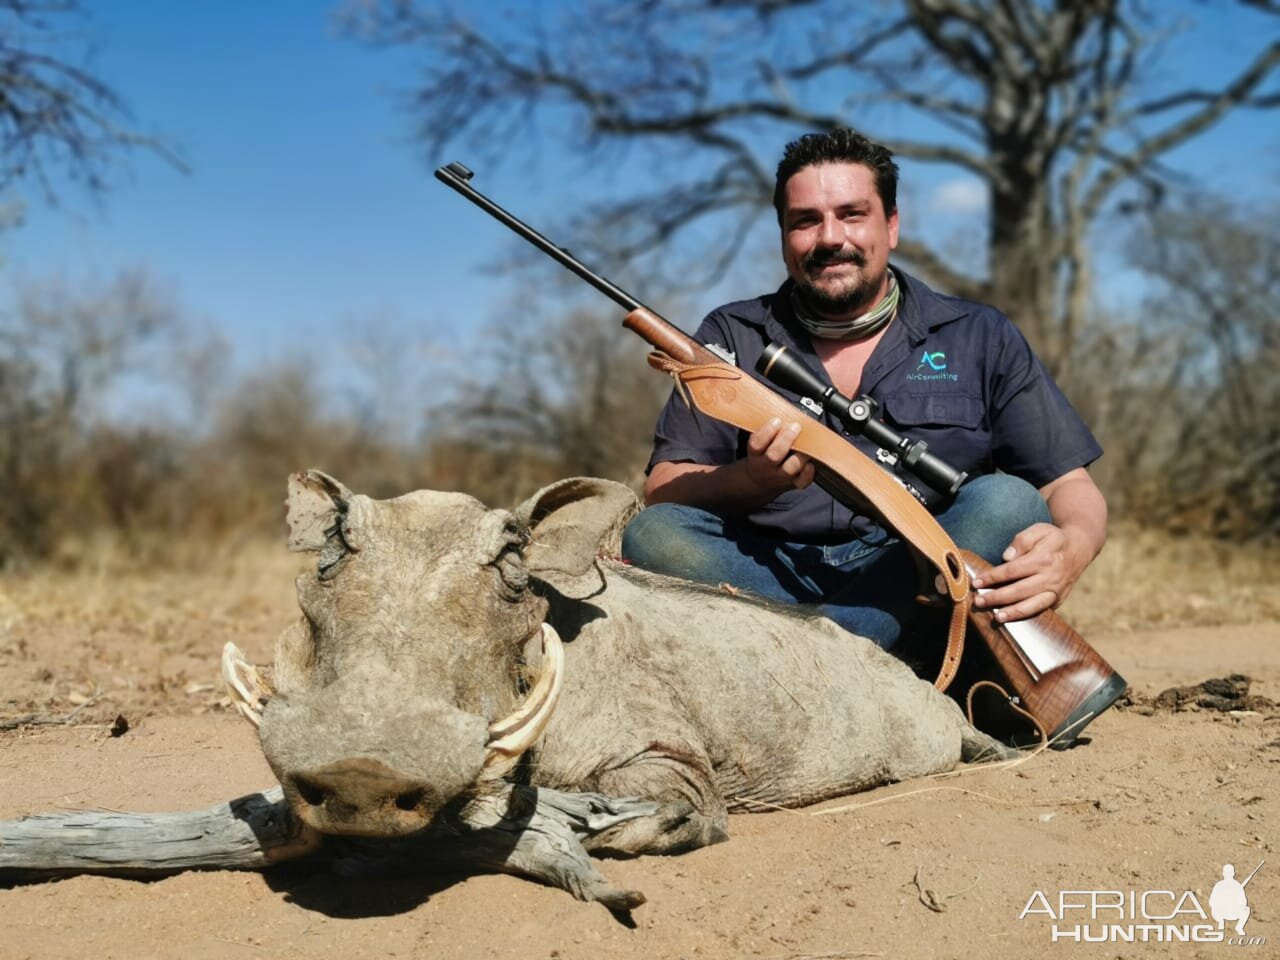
1023,275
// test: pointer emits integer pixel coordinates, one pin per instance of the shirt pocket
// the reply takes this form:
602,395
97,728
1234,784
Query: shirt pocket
954,425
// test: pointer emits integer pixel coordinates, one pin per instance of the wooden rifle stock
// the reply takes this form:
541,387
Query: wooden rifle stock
1055,674
663,336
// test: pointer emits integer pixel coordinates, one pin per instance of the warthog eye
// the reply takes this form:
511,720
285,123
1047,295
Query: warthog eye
509,563
334,551
511,570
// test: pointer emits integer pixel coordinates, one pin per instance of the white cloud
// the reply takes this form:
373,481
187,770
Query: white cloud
962,195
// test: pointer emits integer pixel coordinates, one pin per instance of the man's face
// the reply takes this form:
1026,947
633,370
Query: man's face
836,238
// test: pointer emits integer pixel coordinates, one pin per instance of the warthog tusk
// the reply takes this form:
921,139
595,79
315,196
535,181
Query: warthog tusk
513,735
249,691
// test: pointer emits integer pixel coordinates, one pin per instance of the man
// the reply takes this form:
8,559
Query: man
1228,900
727,507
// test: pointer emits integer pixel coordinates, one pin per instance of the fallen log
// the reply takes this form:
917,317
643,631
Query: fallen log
534,832
248,833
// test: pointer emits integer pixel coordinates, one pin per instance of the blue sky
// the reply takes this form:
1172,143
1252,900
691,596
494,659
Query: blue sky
304,206
308,210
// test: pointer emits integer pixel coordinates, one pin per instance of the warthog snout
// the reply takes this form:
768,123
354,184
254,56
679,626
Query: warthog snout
370,773
362,797
359,757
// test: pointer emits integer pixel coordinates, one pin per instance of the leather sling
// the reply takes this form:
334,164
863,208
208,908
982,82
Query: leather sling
725,392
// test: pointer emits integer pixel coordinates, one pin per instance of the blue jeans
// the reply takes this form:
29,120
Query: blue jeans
866,586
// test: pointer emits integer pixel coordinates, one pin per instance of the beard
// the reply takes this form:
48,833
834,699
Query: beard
856,294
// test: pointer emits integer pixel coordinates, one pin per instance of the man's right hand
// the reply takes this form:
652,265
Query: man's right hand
769,469
771,465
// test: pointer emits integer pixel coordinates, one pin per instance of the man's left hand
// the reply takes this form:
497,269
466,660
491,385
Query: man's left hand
1040,568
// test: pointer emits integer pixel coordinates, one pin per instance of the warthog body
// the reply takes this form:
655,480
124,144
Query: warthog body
422,629
486,689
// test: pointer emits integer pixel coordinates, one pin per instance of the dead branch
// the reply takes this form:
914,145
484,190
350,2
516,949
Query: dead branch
45,720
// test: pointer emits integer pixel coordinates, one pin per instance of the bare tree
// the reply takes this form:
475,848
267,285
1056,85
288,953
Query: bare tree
58,122
1203,431
61,350
571,395
1057,106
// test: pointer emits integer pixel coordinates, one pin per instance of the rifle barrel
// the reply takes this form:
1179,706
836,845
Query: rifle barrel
1250,876
457,176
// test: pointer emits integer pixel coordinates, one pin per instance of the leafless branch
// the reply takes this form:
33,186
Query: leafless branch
848,59
57,119
933,266
1235,93
1053,104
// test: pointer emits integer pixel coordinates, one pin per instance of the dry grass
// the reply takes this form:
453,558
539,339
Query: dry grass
1146,579
112,635
171,605
119,638
1143,579
111,584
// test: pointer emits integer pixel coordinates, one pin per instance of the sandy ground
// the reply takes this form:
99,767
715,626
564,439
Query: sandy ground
940,868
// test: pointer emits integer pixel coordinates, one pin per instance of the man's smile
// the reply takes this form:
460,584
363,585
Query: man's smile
818,264
837,265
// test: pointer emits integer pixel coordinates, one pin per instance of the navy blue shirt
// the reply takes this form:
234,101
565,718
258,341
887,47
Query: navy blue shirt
954,373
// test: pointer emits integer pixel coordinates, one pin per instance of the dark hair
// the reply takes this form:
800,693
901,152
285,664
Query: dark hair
840,145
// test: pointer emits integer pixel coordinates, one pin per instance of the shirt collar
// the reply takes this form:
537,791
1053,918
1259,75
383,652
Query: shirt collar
780,324
921,311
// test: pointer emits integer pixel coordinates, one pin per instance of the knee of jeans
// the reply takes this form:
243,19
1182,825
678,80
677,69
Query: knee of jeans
993,509
667,538
1004,495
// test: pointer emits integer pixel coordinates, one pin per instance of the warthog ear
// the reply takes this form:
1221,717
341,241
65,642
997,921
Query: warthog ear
572,522
314,505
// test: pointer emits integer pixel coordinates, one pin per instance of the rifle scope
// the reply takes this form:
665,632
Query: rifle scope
783,367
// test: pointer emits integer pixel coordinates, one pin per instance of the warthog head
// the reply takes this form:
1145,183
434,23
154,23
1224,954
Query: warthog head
422,668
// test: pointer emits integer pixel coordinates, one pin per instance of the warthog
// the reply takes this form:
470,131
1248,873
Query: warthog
497,688
401,694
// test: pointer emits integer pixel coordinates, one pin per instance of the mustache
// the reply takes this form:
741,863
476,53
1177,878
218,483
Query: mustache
818,259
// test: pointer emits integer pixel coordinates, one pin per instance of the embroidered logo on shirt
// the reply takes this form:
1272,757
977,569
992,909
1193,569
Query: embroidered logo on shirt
937,368
936,361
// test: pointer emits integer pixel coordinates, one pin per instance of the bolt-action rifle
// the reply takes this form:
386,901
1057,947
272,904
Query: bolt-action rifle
1058,679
